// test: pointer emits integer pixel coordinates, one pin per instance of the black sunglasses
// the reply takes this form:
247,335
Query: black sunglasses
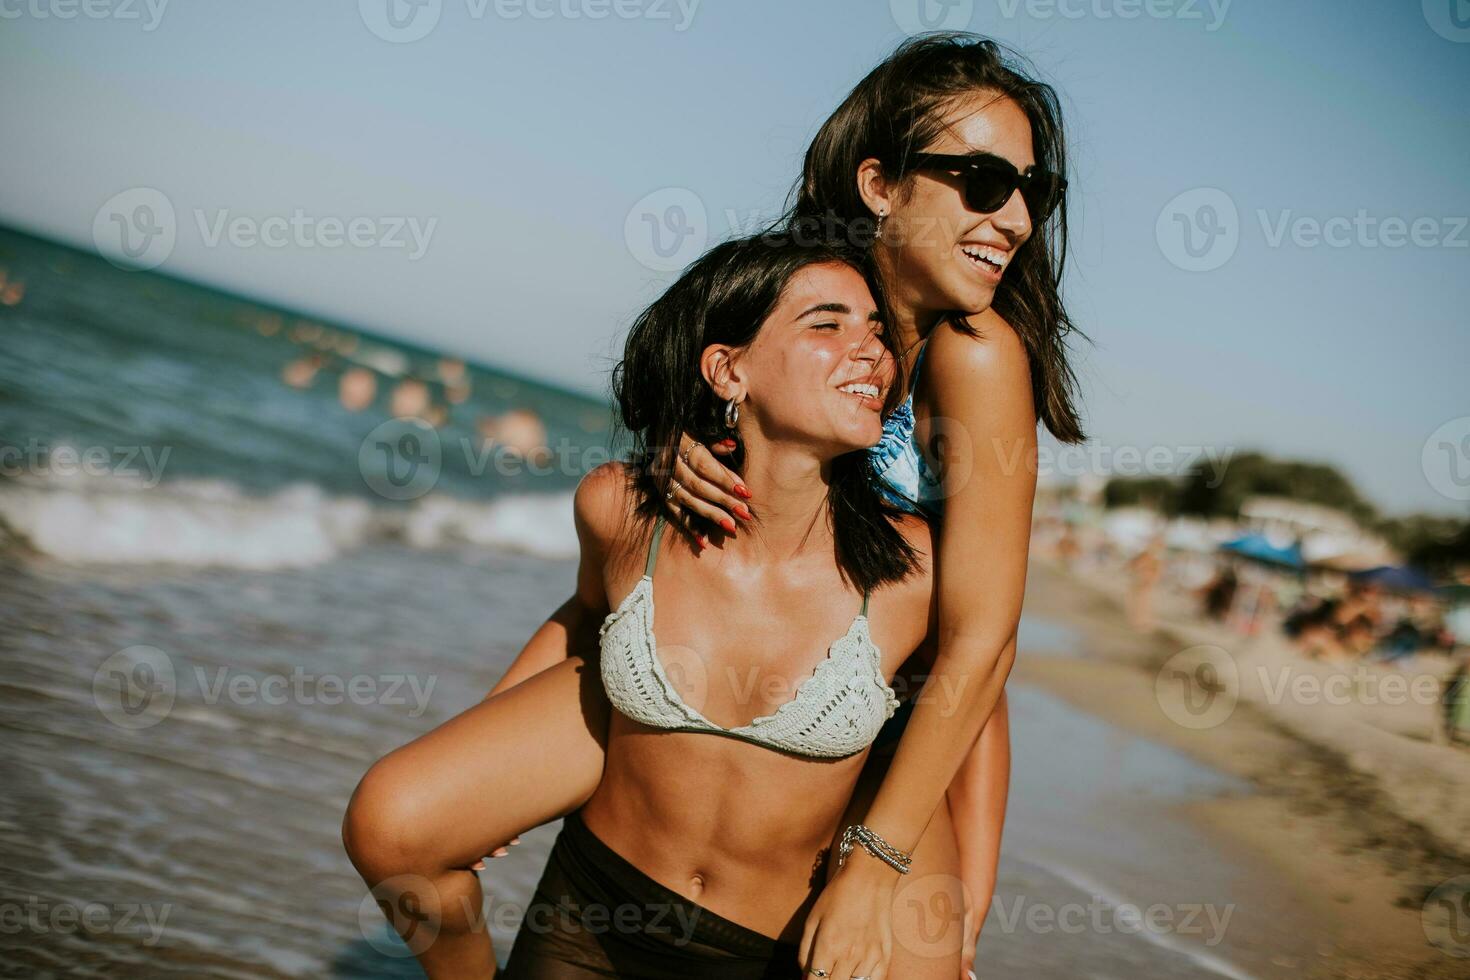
990,181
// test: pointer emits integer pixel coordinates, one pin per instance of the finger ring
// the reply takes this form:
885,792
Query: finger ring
673,485
817,971
687,450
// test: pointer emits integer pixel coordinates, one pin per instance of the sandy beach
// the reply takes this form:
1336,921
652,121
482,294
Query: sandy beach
1343,843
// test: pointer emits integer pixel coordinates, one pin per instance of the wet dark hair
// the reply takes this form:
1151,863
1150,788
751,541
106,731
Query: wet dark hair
724,298
898,110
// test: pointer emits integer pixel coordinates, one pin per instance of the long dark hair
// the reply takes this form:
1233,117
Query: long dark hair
896,111
723,298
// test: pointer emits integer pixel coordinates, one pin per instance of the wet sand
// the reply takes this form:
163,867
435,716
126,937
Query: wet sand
1335,876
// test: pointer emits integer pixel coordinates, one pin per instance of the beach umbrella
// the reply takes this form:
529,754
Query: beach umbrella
1260,548
1398,578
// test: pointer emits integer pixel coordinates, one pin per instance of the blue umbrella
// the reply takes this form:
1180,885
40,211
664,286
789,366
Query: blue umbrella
1400,578
1258,547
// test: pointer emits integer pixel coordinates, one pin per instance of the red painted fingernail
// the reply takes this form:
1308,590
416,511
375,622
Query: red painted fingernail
703,542
727,524
728,443
740,491
742,512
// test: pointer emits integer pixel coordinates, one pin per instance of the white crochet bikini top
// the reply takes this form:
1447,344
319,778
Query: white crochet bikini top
836,712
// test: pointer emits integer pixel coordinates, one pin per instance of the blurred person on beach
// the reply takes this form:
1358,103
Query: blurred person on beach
302,372
1147,567
949,133
357,388
1455,702
519,432
410,398
1218,596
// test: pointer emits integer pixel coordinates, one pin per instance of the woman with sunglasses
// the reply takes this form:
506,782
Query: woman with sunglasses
967,266
947,160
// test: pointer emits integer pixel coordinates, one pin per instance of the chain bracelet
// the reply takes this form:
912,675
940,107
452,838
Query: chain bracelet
874,845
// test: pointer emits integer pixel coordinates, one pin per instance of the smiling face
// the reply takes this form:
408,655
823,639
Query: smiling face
938,254
817,372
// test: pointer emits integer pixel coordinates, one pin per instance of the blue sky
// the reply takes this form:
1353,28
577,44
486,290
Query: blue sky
531,143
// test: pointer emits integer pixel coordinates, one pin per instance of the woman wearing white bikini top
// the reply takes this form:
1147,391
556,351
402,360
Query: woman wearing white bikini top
744,707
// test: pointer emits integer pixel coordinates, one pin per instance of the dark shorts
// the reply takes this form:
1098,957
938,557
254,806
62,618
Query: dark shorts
596,915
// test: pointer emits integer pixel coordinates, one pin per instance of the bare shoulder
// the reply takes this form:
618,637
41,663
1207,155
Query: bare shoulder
601,504
982,377
993,353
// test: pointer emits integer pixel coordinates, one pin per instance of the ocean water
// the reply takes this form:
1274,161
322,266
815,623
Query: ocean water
113,383
201,657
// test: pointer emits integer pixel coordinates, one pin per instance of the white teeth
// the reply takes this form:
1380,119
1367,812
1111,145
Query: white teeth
990,256
860,389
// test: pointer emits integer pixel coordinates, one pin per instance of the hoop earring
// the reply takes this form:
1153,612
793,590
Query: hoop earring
732,413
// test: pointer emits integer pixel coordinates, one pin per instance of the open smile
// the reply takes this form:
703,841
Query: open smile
988,260
870,395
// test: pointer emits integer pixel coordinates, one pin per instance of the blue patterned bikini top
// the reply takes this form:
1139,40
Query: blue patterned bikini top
904,478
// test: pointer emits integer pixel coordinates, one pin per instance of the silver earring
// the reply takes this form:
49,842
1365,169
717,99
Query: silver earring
878,232
732,413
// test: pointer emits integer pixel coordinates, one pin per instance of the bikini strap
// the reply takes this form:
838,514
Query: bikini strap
918,360
658,531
